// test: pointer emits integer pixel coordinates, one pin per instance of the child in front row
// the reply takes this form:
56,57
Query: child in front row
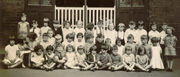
71,57
60,58
12,59
49,58
92,59
104,59
156,60
129,59
117,63
142,60
37,57
81,57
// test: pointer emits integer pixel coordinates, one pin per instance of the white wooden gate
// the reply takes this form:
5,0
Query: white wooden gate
93,14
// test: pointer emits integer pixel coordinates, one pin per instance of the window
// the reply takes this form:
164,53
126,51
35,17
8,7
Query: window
40,2
132,3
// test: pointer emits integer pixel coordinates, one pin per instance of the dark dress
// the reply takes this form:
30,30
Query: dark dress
58,31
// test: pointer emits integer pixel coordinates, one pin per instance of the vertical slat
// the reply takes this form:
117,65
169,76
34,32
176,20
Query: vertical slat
93,16
104,12
115,15
100,14
58,15
55,12
107,18
89,15
69,15
72,16
65,14
76,15
80,14
62,16
97,16
111,15
83,21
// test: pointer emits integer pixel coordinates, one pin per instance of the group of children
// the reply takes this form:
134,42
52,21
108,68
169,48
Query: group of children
93,48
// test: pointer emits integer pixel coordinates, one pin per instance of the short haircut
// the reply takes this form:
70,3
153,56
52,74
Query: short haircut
89,35
104,47
81,47
154,40
90,26
100,22
153,24
45,34
38,47
140,49
114,47
71,46
66,22
128,47
100,35
49,48
12,38
118,40
50,30
93,48
70,35
144,37
130,36
79,34
32,35
107,39
169,27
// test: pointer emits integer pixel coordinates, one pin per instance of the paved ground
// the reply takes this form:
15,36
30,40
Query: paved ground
19,72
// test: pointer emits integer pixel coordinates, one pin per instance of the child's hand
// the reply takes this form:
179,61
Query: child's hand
99,63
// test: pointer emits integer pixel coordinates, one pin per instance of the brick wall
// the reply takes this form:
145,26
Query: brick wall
11,11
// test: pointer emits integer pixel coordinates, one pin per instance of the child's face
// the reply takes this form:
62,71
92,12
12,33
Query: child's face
108,42
93,52
100,39
142,52
23,18
121,28
49,52
79,38
39,52
69,39
164,27
55,25
154,44
90,40
119,43
140,27
12,42
111,27
115,52
59,49
79,25
34,25
131,40
103,51
100,25
128,51
58,40
45,38
50,33
45,24
154,27
169,31
70,49
67,25
132,26
144,41
80,51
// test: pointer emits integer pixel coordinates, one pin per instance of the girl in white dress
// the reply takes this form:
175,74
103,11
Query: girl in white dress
71,57
66,29
156,60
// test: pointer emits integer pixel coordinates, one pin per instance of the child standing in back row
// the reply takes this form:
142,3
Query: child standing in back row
45,27
66,30
170,48
111,33
23,27
153,32
129,31
140,31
